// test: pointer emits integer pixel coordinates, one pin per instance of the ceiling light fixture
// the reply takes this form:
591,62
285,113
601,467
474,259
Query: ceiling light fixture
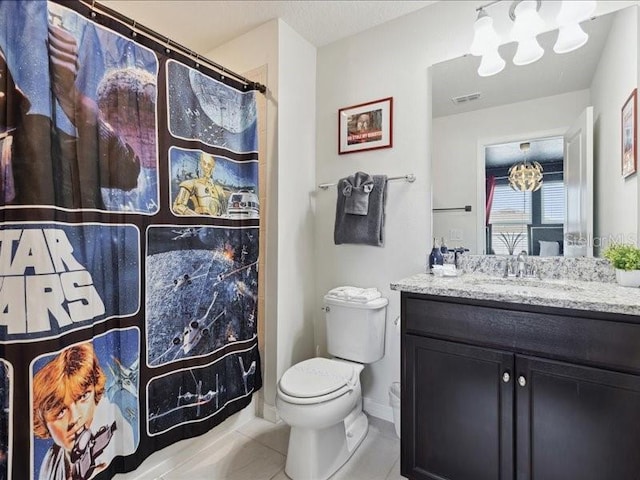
525,176
491,64
527,25
485,44
485,37
570,35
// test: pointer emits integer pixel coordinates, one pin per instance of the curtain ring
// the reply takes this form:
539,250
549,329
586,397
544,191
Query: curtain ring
93,11
197,60
133,29
167,49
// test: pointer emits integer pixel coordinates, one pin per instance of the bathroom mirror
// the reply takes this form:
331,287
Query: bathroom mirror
479,124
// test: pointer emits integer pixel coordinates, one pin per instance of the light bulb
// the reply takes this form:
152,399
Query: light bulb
575,11
491,64
527,23
529,51
485,37
570,38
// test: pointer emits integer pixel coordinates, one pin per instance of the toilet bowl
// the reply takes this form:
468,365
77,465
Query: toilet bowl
321,398
322,401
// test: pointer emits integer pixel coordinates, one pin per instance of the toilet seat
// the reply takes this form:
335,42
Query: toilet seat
317,380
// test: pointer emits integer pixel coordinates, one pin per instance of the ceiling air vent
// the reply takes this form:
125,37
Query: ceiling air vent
465,98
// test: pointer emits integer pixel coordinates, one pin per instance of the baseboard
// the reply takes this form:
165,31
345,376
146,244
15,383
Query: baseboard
269,412
167,459
378,410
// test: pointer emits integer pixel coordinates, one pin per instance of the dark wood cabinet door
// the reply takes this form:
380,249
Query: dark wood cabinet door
457,411
576,422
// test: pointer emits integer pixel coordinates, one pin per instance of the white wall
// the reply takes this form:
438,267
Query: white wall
296,205
389,60
456,166
616,198
288,216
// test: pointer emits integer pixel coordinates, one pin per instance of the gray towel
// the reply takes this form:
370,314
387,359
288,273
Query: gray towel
356,188
367,229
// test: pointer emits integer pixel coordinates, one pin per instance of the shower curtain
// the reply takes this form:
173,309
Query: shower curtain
129,221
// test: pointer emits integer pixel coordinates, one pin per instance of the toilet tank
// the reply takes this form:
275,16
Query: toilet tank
355,331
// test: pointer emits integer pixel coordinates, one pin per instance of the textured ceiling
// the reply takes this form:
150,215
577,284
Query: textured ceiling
540,150
204,25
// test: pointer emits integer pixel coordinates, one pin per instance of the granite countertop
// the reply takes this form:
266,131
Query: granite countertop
575,294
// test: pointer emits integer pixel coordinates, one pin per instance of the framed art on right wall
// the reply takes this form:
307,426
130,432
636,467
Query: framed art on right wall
629,132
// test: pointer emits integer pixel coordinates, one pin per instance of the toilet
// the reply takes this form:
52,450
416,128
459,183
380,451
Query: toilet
321,398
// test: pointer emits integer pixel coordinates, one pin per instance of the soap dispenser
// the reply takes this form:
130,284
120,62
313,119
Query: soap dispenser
435,258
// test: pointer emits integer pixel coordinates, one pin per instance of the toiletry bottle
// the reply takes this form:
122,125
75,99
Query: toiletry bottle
444,250
443,247
435,258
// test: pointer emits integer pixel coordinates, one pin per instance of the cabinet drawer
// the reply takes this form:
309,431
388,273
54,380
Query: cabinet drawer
579,339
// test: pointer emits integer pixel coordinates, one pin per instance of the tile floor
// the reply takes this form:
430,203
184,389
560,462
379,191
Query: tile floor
257,450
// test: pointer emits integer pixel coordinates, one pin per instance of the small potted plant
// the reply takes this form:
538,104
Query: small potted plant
626,260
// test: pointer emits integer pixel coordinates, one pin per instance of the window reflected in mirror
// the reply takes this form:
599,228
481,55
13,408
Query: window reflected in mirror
530,221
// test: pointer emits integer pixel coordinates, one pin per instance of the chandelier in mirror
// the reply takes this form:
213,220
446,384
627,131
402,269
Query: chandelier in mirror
525,176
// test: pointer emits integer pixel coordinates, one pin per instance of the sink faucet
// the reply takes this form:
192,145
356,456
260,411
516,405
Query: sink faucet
522,264
509,270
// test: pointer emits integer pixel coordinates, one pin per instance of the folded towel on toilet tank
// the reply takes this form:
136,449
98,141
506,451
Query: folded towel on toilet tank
355,294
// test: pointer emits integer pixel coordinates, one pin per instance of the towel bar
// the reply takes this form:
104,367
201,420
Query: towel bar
466,208
410,177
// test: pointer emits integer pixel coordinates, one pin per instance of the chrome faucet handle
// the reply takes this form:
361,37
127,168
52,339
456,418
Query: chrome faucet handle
521,270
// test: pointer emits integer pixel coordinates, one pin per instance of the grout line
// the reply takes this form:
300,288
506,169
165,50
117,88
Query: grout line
263,444
201,449
392,466
281,471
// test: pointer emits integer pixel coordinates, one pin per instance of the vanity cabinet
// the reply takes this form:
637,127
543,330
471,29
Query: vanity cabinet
494,390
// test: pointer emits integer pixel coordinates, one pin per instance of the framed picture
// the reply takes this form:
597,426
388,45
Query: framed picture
629,132
367,126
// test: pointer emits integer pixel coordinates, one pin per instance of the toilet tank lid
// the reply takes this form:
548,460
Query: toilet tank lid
370,305
315,377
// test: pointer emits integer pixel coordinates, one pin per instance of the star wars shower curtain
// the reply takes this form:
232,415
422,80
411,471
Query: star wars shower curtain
128,244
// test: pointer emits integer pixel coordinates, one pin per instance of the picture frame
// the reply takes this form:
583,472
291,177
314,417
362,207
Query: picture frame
366,126
629,135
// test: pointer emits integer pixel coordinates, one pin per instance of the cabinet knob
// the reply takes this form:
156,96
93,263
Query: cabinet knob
522,381
506,377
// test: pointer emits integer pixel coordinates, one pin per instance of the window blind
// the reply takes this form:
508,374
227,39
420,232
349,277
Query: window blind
553,201
510,215
510,206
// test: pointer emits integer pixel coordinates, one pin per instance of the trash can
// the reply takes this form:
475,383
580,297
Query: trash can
394,399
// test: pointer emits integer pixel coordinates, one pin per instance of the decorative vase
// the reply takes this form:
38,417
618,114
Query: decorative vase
628,278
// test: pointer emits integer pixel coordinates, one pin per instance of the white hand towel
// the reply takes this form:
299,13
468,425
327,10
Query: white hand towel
355,294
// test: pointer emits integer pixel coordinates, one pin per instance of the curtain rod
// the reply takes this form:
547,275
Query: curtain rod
410,177
135,26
